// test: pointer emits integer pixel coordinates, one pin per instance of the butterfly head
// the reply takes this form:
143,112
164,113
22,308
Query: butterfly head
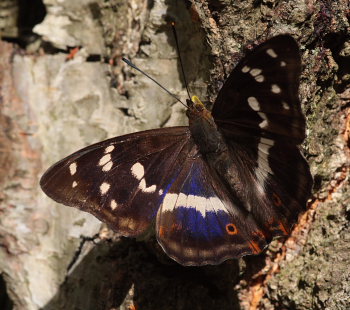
195,103
196,109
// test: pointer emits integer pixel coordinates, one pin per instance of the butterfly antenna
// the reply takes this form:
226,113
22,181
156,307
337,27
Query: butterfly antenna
127,61
178,53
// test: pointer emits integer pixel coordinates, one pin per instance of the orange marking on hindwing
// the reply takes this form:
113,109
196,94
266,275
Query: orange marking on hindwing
161,231
273,225
175,227
283,228
260,233
276,200
231,229
255,247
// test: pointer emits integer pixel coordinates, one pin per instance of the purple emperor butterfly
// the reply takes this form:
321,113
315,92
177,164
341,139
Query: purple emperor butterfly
220,188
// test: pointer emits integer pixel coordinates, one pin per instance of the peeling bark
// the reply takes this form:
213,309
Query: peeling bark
56,99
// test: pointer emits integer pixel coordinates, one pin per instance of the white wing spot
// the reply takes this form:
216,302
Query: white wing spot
160,192
266,141
253,103
138,171
255,72
264,149
104,160
74,184
260,78
145,189
107,166
264,123
104,188
109,149
271,53
199,203
275,89
217,204
283,63
245,69
285,105
73,168
114,204
169,202
181,200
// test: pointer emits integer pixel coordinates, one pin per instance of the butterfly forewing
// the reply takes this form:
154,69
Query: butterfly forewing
259,114
120,180
260,97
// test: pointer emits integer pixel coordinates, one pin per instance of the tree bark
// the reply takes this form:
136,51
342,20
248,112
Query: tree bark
65,87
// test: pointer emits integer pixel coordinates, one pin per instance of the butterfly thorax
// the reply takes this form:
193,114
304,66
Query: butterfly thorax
203,128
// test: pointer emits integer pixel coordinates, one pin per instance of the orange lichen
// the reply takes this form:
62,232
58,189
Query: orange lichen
72,53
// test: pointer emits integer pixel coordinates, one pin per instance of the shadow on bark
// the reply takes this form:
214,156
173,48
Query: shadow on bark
5,301
113,273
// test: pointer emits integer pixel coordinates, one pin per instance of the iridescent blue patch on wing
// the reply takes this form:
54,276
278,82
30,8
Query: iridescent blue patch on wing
194,184
211,226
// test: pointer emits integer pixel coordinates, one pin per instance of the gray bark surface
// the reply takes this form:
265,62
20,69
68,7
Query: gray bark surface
53,103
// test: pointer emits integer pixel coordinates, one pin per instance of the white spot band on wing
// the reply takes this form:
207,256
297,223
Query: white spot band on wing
114,204
73,168
104,160
245,69
253,103
271,53
104,188
275,89
107,166
145,189
109,149
199,203
138,171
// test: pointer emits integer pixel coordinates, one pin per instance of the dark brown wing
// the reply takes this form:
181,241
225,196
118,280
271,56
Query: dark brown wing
260,97
121,180
259,113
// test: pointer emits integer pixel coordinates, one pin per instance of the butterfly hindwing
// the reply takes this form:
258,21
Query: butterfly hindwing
120,180
275,181
260,97
199,221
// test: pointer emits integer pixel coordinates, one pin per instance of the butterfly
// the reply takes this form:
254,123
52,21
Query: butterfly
222,187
